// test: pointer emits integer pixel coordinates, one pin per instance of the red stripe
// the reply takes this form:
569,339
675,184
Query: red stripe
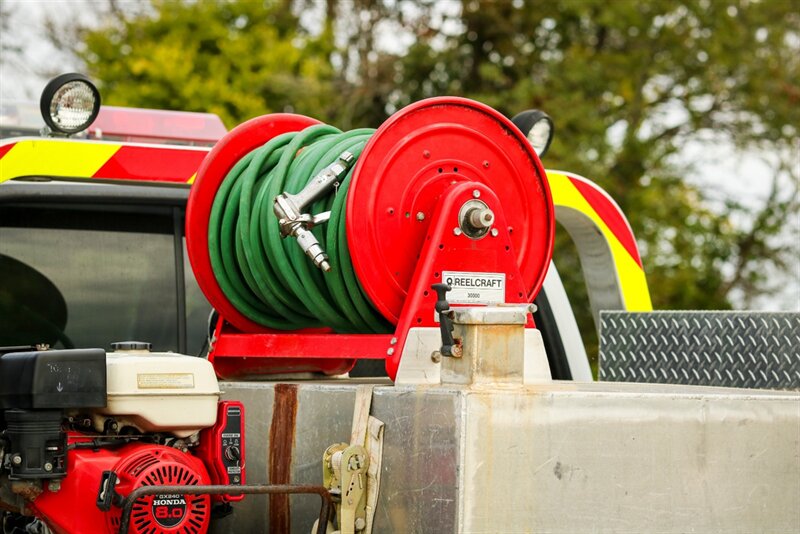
152,164
5,148
611,215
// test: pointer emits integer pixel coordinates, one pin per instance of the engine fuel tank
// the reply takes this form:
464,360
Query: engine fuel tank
159,392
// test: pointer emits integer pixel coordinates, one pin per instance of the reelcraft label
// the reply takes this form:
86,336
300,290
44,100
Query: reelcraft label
475,288
165,380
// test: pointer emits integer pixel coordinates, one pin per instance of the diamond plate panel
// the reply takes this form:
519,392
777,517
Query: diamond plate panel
730,349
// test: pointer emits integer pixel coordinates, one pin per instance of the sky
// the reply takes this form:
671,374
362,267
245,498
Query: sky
716,166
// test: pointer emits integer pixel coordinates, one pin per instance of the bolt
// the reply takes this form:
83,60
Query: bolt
426,154
486,164
355,463
393,341
476,193
390,351
436,356
480,218
48,466
16,459
495,232
54,485
420,216
457,231
360,524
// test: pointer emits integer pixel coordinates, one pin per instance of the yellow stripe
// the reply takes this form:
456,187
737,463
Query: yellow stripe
632,281
191,180
54,157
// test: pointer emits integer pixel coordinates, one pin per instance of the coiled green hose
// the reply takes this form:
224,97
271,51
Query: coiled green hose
269,279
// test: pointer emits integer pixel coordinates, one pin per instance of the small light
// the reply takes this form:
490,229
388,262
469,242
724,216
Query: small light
537,126
70,103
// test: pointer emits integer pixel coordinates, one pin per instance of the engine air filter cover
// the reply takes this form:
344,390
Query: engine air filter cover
53,379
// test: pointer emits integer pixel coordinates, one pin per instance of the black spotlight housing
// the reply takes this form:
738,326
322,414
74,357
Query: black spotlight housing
70,103
538,128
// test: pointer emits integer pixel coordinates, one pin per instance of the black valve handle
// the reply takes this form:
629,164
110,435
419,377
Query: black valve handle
445,323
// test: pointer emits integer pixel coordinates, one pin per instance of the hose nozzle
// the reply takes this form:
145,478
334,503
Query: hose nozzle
289,208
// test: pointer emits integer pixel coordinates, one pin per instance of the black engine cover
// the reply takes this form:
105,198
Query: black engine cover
53,379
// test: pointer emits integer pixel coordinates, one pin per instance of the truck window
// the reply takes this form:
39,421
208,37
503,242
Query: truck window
89,276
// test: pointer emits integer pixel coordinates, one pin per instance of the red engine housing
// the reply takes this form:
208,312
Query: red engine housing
73,509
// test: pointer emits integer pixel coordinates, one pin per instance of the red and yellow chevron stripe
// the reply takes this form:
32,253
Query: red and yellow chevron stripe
79,159
579,194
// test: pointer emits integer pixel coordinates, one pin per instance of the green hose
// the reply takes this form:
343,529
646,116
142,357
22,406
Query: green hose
268,279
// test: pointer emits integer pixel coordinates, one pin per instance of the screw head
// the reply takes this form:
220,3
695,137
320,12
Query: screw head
390,351
360,524
495,232
393,341
48,466
16,459
457,231
476,193
420,216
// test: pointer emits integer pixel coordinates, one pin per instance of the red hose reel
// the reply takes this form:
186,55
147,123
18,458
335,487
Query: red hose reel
405,218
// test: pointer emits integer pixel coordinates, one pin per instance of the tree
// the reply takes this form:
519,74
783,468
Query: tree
7,46
630,85
235,59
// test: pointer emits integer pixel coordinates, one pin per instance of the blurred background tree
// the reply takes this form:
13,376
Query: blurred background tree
631,86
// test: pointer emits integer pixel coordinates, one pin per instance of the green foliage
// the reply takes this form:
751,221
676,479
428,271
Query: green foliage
236,59
629,84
